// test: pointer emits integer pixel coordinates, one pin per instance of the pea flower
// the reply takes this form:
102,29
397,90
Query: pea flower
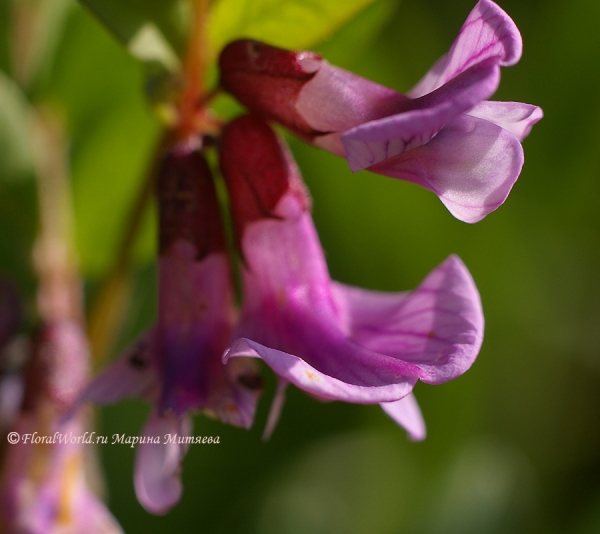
46,487
177,364
443,135
334,341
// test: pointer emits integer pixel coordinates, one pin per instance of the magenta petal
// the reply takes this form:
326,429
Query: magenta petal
371,386
132,375
423,118
488,32
515,117
471,165
407,414
157,476
438,326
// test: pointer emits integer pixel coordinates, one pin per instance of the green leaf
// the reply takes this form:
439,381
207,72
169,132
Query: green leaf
33,58
15,149
18,201
5,11
112,133
108,174
286,23
152,30
355,40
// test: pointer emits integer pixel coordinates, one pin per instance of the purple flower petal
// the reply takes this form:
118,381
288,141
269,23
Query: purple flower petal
132,375
376,141
488,32
335,100
407,414
334,342
365,382
438,326
157,475
194,325
515,117
471,165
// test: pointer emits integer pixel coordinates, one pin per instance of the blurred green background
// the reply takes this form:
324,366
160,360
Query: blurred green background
513,446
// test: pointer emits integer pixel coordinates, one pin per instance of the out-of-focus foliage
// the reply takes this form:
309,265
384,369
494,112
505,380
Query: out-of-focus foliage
292,24
15,147
513,446
152,30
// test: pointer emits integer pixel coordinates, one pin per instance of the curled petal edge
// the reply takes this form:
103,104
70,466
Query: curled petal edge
296,371
378,140
471,165
437,327
488,32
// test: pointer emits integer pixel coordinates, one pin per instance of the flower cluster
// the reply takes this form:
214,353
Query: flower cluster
443,135
331,340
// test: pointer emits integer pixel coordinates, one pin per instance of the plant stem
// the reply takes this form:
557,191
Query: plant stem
110,305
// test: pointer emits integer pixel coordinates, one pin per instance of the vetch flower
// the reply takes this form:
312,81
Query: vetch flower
46,486
177,365
442,135
334,341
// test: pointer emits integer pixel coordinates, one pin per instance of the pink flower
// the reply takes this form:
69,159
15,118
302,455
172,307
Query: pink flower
443,135
46,487
331,340
177,364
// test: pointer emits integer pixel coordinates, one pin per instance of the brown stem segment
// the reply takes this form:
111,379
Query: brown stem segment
194,70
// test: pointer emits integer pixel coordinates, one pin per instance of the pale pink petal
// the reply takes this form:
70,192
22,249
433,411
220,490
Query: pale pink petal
157,473
438,326
407,414
488,32
335,100
93,517
515,117
376,141
471,165
275,410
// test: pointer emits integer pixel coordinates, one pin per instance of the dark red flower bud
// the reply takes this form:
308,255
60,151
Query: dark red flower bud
187,204
268,79
259,171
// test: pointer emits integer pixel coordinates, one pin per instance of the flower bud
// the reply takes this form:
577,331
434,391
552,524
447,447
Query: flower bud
268,80
187,205
262,178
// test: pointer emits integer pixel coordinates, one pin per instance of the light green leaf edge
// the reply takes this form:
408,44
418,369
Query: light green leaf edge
292,24
152,30
16,154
